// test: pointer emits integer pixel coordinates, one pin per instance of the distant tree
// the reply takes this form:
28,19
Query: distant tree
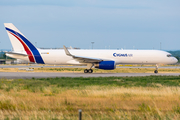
4,56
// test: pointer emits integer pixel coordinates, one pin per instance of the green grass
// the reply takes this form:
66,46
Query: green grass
147,81
38,84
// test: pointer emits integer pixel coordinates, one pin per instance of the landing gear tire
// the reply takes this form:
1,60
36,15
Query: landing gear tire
86,71
90,71
156,71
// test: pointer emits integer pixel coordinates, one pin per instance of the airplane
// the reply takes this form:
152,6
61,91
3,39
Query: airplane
101,59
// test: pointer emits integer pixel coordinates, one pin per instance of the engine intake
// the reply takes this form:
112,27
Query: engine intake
106,65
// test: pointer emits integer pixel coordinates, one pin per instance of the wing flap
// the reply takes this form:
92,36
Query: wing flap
86,59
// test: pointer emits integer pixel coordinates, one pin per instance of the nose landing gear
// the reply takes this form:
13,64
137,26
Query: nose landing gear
156,71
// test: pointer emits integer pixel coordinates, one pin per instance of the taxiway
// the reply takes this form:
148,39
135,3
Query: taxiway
29,75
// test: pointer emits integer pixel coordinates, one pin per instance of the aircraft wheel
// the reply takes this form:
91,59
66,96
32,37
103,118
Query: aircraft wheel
86,71
90,71
156,71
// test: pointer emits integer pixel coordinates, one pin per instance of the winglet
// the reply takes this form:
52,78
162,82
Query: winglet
66,51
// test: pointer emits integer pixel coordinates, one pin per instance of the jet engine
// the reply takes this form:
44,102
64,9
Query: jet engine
106,65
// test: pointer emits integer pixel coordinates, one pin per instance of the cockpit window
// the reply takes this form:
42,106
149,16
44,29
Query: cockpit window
169,55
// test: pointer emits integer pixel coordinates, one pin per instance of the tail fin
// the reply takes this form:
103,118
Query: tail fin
20,43
18,40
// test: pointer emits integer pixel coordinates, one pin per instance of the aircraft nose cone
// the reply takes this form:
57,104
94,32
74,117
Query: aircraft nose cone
175,60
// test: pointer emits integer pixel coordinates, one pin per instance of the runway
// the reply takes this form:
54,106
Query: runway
29,75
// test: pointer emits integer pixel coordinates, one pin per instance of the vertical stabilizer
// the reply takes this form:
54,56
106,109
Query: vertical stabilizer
14,34
21,44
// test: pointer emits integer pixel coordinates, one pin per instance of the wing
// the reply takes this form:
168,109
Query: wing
82,59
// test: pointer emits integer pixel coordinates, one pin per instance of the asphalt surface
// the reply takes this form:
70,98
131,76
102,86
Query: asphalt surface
29,75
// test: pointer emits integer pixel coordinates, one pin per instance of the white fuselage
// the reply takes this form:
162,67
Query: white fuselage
59,57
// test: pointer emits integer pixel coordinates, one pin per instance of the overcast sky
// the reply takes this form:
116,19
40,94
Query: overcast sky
128,24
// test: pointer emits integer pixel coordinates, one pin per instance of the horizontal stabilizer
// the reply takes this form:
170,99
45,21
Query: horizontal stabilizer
16,54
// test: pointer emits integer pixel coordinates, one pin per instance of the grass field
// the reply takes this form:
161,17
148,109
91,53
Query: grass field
151,97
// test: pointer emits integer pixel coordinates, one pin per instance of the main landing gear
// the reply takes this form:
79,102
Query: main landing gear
88,71
156,71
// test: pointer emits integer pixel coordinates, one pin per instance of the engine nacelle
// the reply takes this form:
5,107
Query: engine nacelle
106,65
